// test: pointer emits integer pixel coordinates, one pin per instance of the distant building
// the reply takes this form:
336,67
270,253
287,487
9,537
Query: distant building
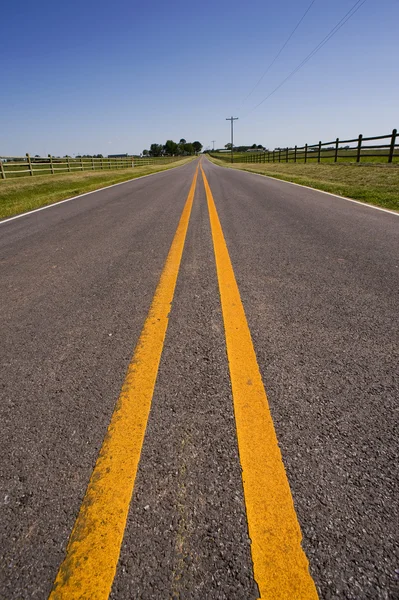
118,155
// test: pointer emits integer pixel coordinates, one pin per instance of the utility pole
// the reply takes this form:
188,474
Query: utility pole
232,119
213,142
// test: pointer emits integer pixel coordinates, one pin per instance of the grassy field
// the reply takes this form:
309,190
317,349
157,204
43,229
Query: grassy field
372,183
19,195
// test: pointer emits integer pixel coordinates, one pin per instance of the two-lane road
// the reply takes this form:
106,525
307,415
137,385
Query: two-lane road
318,280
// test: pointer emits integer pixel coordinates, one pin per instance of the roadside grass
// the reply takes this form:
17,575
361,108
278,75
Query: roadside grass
22,194
369,183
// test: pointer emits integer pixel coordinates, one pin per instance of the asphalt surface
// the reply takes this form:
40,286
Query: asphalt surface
318,277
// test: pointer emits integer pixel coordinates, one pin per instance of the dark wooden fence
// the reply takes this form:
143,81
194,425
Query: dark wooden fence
352,150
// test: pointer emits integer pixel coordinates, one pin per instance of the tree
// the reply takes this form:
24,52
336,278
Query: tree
188,149
197,147
171,148
145,152
228,146
156,149
181,146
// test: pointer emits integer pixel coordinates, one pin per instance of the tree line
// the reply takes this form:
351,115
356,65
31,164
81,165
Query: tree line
171,148
254,147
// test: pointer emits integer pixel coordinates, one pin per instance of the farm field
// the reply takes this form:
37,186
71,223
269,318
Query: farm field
22,194
371,183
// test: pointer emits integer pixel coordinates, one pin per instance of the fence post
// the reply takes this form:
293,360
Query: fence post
392,147
319,154
295,153
279,155
51,163
29,164
92,163
306,152
273,154
336,150
359,148
82,165
69,165
3,174
286,155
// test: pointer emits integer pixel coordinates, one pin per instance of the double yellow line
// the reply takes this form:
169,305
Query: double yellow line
280,566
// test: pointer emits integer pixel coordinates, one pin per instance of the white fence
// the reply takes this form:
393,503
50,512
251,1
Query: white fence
22,166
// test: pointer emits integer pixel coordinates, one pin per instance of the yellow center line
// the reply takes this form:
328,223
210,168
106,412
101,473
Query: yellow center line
281,568
89,567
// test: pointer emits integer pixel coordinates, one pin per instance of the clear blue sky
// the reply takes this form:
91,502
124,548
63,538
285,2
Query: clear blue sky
110,77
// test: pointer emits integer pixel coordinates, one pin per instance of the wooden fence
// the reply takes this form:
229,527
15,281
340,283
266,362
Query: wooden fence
349,150
21,166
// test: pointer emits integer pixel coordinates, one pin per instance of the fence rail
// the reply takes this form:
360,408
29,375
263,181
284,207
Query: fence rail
353,150
28,166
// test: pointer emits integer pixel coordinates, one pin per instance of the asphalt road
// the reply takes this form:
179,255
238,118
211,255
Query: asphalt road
318,278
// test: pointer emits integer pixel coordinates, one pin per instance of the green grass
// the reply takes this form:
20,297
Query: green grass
372,183
21,194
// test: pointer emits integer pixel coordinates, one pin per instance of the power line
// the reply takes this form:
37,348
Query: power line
324,41
281,49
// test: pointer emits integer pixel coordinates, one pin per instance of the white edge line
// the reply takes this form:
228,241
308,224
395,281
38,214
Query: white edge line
57,203
391,212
